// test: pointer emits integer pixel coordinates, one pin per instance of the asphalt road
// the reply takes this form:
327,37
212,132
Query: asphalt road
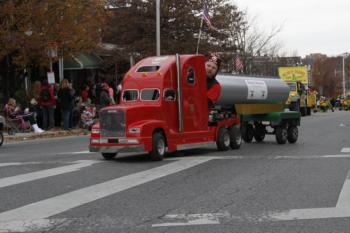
55,185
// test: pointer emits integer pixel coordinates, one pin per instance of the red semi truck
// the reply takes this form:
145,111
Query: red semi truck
164,108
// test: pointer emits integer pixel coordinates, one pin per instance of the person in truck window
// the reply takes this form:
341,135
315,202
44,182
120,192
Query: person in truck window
212,66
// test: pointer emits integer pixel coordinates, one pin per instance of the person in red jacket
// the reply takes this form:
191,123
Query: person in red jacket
47,102
212,66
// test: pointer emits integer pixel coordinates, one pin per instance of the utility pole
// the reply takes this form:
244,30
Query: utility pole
345,55
158,26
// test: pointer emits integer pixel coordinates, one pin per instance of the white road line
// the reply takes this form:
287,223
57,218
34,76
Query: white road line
342,209
13,180
33,225
192,219
56,205
297,157
344,196
33,163
345,150
75,153
18,164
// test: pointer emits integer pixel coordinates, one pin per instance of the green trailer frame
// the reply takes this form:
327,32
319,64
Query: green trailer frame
284,126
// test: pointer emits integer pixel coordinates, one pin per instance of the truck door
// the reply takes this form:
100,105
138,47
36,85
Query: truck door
195,105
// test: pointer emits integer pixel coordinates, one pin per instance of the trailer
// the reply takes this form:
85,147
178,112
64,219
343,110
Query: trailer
284,125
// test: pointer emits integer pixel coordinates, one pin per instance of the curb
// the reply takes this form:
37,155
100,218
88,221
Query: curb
53,134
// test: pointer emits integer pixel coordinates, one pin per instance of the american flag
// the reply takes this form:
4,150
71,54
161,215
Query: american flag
206,16
238,63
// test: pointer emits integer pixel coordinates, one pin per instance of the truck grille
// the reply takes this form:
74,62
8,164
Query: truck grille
112,123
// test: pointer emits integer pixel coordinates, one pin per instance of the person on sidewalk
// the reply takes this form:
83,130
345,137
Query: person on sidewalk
66,100
47,102
15,112
105,99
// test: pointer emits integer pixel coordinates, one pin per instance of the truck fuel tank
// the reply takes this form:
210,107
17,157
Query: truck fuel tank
251,90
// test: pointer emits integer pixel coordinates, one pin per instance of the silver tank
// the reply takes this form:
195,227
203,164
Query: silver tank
251,90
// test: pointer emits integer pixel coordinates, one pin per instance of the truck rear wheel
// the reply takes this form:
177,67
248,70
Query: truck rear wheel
235,137
158,147
281,134
223,140
109,156
292,134
247,133
259,133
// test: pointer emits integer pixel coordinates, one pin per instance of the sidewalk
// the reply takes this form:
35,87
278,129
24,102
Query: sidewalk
55,133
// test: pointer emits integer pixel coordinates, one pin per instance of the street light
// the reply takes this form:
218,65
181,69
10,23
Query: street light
344,56
158,26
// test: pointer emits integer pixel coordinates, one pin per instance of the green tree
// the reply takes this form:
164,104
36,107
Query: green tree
133,26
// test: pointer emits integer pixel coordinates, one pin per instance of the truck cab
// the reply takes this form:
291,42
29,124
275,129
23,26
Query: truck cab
163,108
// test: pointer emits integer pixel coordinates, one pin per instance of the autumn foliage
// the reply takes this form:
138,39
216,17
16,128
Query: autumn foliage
28,26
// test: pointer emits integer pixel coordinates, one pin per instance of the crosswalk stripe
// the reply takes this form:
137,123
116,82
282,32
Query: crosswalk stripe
345,150
13,180
58,204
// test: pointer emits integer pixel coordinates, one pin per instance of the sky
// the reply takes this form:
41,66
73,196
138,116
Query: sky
309,26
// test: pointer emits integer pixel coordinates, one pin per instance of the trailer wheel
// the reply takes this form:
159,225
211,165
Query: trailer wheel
292,134
281,135
223,140
1,138
259,133
109,156
158,147
247,133
235,137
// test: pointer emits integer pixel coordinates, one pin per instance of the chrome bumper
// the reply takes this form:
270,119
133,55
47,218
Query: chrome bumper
117,149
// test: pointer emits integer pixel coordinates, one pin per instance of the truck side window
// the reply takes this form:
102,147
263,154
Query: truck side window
150,94
170,95
191,76
148,69
130,95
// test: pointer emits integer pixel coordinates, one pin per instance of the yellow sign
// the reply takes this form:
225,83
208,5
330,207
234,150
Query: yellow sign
293,74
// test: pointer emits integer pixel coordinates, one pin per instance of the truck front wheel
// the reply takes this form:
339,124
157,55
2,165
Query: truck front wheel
223,139
158,147
292,134
281,134
109,156
235,137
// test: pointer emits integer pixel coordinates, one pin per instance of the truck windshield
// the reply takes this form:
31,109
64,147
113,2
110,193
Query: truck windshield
130,95
150,94
292,86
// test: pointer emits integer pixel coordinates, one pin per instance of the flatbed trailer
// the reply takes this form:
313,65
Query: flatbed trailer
284,125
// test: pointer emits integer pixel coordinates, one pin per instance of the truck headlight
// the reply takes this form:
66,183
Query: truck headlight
134,130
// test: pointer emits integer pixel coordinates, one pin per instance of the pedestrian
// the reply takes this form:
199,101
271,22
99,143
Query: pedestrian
85,93
14,112
47,103
111,91
105,99
66,101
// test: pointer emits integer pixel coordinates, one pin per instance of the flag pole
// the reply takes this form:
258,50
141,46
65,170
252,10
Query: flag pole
200,35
